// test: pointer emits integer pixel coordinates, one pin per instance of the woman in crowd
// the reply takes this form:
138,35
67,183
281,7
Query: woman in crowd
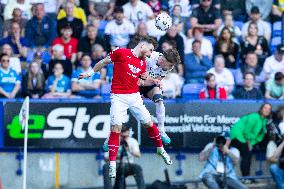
228,48
247,132
33,81
253,42
15,62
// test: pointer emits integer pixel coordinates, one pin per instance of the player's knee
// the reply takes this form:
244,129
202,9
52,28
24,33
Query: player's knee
158,98
116,128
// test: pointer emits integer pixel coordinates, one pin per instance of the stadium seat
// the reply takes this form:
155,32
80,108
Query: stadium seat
191,91
239,24
274,42
105,91
276,29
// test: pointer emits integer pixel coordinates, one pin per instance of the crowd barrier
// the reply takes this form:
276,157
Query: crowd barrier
84,124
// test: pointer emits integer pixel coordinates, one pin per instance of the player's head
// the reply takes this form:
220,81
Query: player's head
169,59
145,46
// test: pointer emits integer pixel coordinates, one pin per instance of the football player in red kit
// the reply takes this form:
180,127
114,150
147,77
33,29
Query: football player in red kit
129,64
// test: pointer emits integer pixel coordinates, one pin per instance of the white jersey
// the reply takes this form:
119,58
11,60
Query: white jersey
153,69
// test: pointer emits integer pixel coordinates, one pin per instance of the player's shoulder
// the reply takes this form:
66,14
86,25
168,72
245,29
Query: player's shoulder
121,50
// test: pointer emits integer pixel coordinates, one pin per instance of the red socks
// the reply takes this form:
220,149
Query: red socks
113,145
155,135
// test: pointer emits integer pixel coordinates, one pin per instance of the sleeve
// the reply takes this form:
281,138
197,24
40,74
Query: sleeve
108,29
268,85
148,10
18,78
61,14
74,76
235,152
115,54
82,16
254,127
96,77
194,13
68,84
266,66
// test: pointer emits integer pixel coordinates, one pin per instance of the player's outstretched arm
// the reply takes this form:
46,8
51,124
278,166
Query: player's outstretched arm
102,63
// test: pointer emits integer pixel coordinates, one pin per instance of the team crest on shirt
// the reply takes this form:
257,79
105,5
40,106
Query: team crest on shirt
134,69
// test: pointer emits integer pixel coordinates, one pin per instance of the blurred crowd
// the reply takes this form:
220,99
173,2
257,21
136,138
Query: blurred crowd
230,49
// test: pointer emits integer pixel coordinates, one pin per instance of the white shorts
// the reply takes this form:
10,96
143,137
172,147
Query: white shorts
121,102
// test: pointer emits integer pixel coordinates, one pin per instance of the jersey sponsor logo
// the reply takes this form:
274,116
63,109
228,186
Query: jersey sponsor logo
134,69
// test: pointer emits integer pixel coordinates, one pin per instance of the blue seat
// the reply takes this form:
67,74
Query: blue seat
239,24
274,42
192,90
105,90
276,29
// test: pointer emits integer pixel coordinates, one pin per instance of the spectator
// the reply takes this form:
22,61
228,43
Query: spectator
141,31
17,17
137,11
206,45
103,9
215,3
248,91
98,53
10,82
229,23
255,43
224,77
264,28
196,65
33,81
14,61
178,20
77,13
249,130
51,6
1,25
155,5
119,30
263,6
40,30
274,63
228,48
129,148
69,43
58,85
277,11
275,87
236,8
24,5
172,85
58,56
172,35
185,4
217,154
251,64
75,23
14,39
206,17
212,90
86,43
87,87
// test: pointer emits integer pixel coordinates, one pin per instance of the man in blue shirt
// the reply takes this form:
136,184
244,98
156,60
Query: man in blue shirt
14,39
58,85
10,82
87,87
40,30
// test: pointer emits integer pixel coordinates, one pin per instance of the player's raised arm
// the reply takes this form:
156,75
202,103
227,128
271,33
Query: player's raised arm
101,64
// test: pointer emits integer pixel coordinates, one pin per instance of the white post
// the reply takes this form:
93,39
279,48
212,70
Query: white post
26,145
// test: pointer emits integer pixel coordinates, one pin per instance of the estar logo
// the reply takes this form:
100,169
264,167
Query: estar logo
62,123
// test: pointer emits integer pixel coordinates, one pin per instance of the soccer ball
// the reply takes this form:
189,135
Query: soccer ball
163,21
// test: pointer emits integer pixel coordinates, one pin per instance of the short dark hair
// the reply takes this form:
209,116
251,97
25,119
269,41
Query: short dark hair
2,55
278,76
149,40
249,73
196,41
208,76
124,128
172,56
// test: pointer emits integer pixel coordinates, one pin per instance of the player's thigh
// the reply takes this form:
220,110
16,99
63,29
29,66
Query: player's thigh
140,112
118,110
154,91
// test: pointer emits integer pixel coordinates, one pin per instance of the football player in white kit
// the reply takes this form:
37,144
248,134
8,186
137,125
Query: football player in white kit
158,66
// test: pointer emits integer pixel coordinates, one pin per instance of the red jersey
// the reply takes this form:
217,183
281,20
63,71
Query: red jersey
69,48
126,71
217,93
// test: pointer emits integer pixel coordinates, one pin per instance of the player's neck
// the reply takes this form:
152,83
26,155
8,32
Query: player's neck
136,51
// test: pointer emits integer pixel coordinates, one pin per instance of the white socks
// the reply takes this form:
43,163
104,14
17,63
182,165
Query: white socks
160,113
